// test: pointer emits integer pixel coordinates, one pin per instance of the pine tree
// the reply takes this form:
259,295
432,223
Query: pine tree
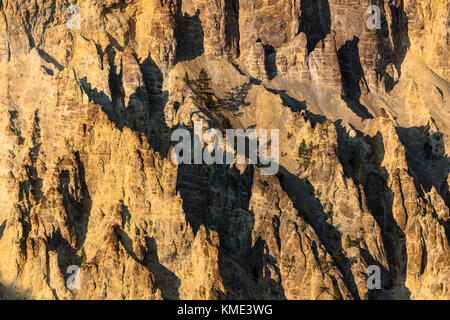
302,149
186,79
304,154
348,242
83,259
203,90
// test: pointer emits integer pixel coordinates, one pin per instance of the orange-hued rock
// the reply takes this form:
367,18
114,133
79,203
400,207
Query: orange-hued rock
86,178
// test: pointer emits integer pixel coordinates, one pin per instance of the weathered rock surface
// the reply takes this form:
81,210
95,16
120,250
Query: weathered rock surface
86,176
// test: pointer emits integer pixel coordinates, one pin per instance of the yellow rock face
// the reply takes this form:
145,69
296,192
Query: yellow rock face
90,95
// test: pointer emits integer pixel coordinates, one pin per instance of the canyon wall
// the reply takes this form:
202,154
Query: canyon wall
88,103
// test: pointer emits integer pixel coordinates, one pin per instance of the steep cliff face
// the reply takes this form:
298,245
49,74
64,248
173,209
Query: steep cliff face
88,107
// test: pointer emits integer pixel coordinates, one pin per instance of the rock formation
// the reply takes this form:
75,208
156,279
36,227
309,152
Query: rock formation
90,92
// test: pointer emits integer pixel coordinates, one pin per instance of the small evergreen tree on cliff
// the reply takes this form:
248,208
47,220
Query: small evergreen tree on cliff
203,90
186,79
